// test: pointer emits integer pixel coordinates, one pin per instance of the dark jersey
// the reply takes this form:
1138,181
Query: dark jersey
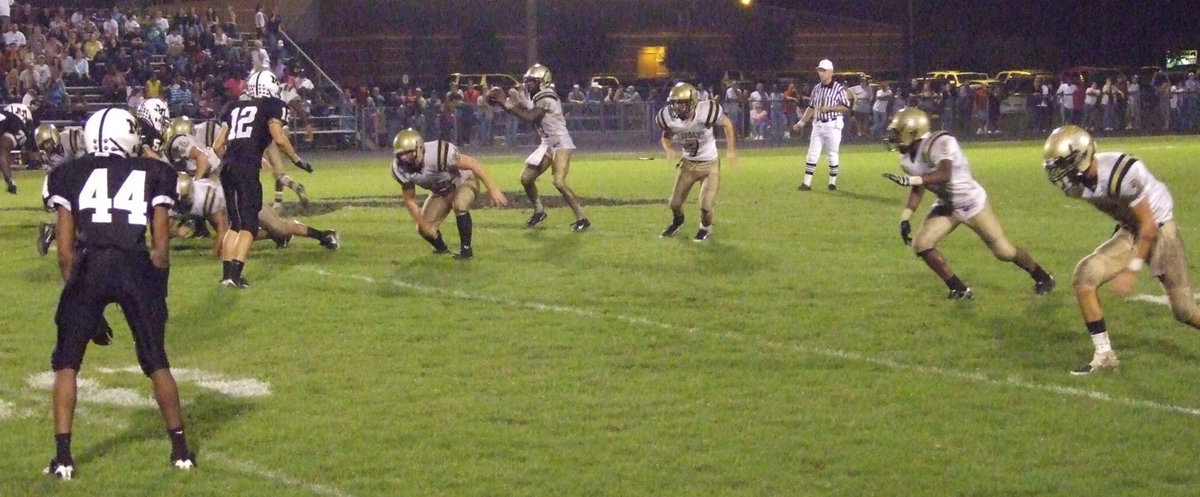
13,126
150,135
249,133
111,198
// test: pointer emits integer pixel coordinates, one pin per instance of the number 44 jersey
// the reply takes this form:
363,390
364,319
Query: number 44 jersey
249,133
111,198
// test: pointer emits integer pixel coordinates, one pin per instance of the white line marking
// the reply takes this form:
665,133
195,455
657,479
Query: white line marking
233,387
251,469
1155,299
93,392
1011,381
7,410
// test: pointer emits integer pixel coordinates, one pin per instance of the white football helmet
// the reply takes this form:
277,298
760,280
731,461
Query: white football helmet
155,112
21,111
112,132
262,84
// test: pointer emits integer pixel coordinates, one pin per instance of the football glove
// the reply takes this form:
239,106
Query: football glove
303,164
899,180
905,231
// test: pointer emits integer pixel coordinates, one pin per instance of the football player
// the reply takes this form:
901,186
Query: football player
200,197
934,161
247,127
690,121
1120,186
56,147
105,202
274,157
16,122
544,110
452,180
153,119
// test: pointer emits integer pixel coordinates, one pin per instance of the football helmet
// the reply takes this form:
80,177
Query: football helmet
406,141
262,84
682,100
155,113
180,126
112,132
908,126
183,186
21,111
47,138
1067,154
537,78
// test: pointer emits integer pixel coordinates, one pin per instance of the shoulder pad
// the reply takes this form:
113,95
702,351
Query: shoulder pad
1120,170
927,145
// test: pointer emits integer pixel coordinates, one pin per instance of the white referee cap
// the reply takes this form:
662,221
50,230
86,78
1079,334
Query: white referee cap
825,64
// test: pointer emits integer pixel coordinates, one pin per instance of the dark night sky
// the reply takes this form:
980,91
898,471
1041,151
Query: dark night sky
1091,32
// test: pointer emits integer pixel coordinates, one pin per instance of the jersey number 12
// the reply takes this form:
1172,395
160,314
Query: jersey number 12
241,122
131,197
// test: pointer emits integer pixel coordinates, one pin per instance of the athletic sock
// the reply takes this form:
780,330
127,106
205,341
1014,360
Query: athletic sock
62,448
464,229
1039,274
956,284
1099,333
809,170
833,171
436,241
278,191
314,234
235,268
538,206
226,270
179,449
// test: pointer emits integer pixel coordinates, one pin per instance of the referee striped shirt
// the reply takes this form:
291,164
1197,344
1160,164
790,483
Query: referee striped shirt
828,96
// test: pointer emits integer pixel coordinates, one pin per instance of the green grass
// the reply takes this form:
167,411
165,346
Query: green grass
802,351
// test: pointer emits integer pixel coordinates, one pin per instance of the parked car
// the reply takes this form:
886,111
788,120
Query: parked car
1030,73
957,77
605,82
463,81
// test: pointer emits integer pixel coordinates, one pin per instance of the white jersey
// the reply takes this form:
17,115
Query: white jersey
696,133
206,132
1122,181
962,193
208,198
553,126
439,172
180,151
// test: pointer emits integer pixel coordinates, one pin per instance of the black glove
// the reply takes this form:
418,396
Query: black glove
899,180
303,164
905,230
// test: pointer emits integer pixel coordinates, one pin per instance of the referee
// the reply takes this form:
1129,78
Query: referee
827,102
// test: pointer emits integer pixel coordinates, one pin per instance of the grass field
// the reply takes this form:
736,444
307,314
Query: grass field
802,351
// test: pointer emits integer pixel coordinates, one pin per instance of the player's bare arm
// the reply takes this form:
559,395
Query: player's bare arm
201,162
65,228
667,146
1147,234
218,145
730,141
494,193
409,194
160,236
280,137
533,115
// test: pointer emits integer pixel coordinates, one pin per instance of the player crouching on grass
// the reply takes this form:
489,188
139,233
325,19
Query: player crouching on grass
452,180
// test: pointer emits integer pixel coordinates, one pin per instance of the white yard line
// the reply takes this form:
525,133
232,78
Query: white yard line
1011,381
251,469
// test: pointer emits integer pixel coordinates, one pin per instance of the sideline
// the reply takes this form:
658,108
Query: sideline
1011,381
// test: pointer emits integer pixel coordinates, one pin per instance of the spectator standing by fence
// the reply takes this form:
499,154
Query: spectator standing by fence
879,109
862,106
1066,98
1133,104
733,108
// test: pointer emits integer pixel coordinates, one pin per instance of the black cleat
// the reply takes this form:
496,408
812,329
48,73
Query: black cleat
444,250
1044,287
581,225
536,218
804,188
964,294
183,462
329,240
702,234
832,187
672,229
465,254
45,237
282,241
237,283
12,188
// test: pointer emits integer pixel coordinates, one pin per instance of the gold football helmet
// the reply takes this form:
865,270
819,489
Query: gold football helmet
183,186
682,100
47,138
409,141
908,126
537,78
1067,154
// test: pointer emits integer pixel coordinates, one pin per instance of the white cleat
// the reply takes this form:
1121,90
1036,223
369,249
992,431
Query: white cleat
1100,360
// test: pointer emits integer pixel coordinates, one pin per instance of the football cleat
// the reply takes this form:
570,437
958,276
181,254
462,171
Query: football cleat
832,187
964,294
672,229
536,218
184,462
237,283
804,188
702,234
12,188
441,251
329,240
1044,287
282,241
45,237
60,470
1100,360
303,194
465,254
581,225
